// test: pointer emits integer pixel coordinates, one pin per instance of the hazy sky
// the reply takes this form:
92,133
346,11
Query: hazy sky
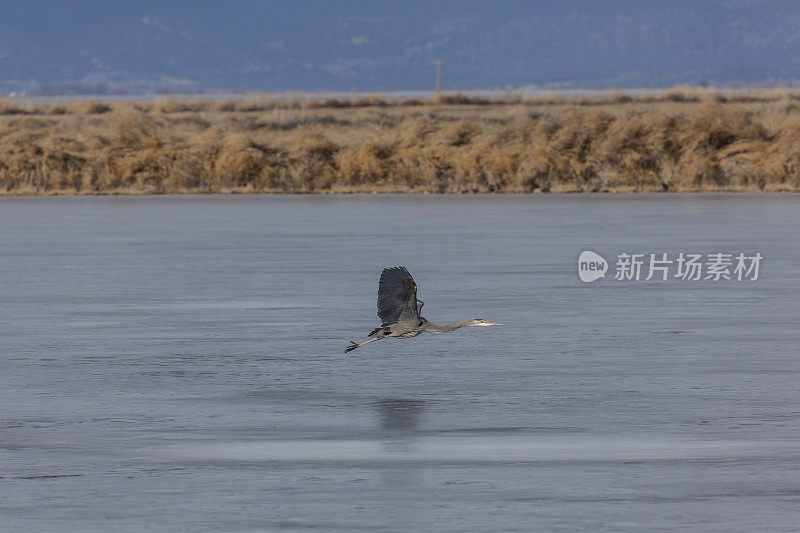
379,45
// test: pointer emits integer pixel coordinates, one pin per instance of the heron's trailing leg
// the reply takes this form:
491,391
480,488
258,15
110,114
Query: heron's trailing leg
354,345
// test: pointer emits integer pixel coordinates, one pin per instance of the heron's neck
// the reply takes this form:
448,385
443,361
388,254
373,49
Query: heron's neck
444,328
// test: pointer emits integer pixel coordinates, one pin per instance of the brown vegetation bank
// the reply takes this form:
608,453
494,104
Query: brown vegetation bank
682,140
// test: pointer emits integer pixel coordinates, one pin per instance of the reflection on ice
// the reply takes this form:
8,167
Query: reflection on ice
399,414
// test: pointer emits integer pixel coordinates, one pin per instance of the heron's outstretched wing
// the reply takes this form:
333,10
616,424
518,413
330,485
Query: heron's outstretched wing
397,296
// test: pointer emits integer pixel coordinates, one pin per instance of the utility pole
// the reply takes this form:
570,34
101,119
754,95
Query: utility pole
438,75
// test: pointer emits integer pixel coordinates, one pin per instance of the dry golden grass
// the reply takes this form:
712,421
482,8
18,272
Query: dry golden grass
687,139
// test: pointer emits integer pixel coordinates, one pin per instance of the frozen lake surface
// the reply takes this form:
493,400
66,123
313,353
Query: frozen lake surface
175,363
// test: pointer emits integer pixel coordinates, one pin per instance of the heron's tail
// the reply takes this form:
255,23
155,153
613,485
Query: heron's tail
380,332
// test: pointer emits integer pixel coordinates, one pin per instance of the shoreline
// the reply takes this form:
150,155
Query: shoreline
389,195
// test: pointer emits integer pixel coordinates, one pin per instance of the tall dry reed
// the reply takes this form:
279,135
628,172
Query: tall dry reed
686,139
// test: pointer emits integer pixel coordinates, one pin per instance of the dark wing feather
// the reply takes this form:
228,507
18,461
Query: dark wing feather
397,296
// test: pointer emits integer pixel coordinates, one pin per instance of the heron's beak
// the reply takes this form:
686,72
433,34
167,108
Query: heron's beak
491,324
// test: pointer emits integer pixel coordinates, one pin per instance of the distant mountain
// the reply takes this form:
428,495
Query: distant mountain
90,46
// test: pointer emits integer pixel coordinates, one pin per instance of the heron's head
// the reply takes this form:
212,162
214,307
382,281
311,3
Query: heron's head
482,322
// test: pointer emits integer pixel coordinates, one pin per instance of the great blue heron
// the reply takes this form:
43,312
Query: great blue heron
399,310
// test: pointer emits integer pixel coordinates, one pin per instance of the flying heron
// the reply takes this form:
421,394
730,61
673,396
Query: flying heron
399,310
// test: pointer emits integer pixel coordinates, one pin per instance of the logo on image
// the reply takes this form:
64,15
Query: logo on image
591,266
663,266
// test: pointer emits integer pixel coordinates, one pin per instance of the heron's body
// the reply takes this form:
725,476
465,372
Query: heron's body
399,310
